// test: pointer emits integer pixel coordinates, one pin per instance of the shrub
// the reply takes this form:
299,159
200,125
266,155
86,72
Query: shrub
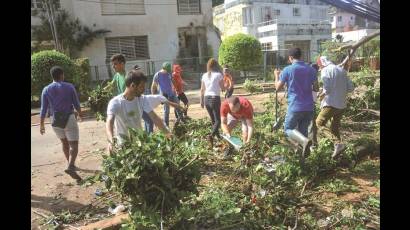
82,78
241,52
41,64
251,86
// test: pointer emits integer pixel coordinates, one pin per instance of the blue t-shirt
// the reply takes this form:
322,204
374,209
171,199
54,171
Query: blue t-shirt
299,78
59,97
164,82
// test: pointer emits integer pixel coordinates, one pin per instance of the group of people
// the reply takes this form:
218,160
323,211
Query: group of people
301,79
133,103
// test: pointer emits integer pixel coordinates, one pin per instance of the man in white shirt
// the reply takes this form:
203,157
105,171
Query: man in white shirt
125,110
336,85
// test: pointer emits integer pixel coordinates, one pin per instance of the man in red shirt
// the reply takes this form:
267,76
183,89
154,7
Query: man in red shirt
236,109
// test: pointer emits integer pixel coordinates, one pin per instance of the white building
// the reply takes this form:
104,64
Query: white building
343,21
278,24
147,32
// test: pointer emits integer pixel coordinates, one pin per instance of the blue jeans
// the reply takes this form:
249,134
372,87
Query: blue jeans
171,98
299,121
149,125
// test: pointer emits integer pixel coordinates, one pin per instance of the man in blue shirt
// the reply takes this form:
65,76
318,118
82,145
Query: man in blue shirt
300,79
60,98
163,79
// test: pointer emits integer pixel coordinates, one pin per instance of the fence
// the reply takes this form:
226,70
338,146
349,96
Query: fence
193,68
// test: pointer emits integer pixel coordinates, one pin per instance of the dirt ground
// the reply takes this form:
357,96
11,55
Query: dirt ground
53,191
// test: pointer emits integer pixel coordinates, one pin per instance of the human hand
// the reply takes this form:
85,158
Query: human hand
109,148
168,135
202,104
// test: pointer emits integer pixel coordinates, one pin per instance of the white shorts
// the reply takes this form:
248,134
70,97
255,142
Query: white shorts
70,131
232,122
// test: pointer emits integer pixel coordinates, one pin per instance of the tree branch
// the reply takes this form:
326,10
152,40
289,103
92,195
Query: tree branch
353,47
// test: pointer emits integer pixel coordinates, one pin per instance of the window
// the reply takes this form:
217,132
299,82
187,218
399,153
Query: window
122,7
247,16
133,48
267,13
267,46
37,4
296,11
276,12
189,6
339,18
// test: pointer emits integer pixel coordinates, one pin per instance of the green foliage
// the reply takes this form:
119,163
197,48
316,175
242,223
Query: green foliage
83,77
329,49
41,64
98,100
339,186
72,35
251,86
240,51
154,173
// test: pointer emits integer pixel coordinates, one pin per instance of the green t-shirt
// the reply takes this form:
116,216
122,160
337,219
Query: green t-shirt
119,81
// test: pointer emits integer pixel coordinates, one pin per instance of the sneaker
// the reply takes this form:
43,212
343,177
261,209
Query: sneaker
338,149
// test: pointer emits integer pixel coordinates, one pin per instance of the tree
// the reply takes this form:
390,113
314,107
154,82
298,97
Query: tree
68,34
241,52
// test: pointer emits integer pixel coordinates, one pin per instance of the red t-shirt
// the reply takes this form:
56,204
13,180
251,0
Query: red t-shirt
245,112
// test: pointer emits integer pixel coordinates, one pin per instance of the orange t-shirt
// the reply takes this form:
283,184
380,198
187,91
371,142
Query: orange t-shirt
178,83
227,80
245,112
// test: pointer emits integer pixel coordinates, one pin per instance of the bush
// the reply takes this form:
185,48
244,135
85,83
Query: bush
76,72
241,52
82,77
251,86
41,64
154,173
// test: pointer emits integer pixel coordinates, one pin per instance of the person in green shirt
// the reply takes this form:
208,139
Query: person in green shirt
118,81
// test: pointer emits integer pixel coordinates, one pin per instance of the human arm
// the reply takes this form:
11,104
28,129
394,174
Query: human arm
248,135
278,83
222,83
175,105
159,123
154,85
224,126
202,94
44,107
76,103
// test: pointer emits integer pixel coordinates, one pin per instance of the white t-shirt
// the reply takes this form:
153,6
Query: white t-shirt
127,114
155,100
212,87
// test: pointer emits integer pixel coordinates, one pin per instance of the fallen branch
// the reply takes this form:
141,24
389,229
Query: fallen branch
353,47
40,214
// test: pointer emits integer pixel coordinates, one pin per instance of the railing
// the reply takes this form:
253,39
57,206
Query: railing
293,21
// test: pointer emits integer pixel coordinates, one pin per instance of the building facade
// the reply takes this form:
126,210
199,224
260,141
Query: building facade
144,31
278,24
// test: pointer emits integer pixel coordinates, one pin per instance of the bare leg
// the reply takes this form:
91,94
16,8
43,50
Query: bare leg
73,152
66,148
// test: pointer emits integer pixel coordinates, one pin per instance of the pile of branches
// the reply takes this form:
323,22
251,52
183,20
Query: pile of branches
98,100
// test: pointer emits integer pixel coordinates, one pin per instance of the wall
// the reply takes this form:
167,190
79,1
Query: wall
354,35
160,23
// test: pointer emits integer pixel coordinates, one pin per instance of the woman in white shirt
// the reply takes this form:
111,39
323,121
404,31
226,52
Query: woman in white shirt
211,86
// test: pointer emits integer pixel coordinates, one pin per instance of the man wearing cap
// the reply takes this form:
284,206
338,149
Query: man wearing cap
336,85
300,79
163,80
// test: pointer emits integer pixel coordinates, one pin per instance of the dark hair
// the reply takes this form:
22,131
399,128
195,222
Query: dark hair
233,100
295,53
56,72
118,57
315,66
136,77
226,66
137,67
